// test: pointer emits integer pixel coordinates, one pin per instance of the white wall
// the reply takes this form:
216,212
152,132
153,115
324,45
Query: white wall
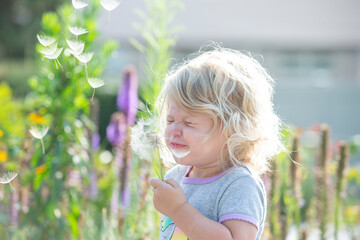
275,23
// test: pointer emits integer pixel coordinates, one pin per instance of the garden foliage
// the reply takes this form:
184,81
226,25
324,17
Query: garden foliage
68,186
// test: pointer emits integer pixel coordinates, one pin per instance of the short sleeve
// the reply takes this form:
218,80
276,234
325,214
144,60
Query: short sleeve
244,199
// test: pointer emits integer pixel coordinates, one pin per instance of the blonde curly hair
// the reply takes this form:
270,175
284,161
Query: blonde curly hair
236,91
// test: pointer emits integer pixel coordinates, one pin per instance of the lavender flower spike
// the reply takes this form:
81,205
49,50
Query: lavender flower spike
95,141
116,130
127,98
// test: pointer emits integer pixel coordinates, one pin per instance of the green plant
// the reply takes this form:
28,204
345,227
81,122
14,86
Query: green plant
158,40
342,165
54,196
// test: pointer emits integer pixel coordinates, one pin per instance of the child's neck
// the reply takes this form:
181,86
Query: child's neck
196,172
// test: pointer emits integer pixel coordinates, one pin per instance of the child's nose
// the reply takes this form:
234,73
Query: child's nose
175,130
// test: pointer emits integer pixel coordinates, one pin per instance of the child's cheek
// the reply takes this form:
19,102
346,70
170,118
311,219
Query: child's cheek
167,136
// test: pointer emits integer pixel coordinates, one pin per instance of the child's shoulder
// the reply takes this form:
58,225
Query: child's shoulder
241,171
241,184
245,175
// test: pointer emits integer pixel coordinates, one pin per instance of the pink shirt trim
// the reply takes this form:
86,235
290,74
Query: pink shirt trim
198,181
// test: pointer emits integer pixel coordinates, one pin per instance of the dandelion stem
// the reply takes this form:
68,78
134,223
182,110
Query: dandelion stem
108,16
12,189
93,95
159,168
86,71
42,145
60,64
56,64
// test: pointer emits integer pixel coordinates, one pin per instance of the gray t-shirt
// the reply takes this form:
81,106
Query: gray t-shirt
238,193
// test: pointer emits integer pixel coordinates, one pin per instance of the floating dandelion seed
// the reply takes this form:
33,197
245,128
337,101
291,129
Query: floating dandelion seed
146,140
77,31
76,47
45,40
109,5
79,4
49,50
7,177
39,133
55,56
85,58
95,83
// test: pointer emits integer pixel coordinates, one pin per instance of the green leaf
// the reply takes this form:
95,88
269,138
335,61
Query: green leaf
50,23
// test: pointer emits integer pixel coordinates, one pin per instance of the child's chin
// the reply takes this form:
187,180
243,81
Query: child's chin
182,161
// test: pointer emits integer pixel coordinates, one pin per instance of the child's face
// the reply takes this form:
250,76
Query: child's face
185,133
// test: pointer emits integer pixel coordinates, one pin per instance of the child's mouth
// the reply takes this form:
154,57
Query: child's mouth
179,150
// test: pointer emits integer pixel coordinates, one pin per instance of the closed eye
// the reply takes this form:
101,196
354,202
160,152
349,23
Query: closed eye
188,123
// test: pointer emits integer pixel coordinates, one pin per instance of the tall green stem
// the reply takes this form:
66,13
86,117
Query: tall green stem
342,164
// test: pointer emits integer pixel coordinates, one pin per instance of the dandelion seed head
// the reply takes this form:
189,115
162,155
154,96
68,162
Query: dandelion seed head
142,141
45,40
109,5
7,177
39,132
96,82
146,137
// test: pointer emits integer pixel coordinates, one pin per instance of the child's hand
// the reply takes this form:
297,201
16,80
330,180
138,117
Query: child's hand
168,196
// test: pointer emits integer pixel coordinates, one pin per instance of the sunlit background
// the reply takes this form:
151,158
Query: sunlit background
310,48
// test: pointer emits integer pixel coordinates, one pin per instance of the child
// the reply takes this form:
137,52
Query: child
222,132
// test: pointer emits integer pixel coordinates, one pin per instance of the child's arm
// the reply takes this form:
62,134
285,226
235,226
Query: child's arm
170,200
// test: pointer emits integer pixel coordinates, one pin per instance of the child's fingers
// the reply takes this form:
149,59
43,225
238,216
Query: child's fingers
172,183
155,182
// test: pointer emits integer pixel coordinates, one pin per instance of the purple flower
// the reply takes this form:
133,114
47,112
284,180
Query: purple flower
14,209
127,98
114,202
74,179
95,141
116,130
125,194
119,161
93,185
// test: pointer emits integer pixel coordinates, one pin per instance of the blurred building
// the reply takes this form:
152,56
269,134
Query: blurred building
311,48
